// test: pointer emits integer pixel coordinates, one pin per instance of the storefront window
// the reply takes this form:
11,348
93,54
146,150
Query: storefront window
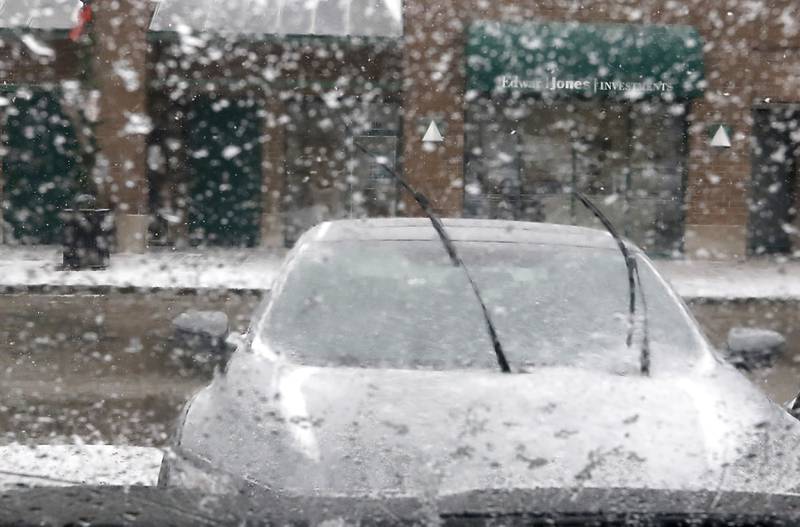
40,166
317,83
328,174
526,154
774,198
598,108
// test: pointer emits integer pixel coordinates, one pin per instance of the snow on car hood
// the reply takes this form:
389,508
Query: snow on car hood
350,431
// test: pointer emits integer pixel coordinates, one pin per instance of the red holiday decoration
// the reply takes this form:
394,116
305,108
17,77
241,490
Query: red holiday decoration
84,18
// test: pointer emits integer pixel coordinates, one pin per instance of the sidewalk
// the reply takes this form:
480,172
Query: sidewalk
33,268
36,268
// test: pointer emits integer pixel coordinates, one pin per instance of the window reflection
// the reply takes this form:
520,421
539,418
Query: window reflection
525,154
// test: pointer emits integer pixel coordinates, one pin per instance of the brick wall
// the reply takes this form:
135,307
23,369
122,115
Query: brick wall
273,164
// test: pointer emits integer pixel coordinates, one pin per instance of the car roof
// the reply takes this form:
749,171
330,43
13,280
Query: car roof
459,229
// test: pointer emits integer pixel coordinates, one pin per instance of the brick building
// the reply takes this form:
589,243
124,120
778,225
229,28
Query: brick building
244,126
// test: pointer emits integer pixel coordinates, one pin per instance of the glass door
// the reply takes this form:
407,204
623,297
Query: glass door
327,175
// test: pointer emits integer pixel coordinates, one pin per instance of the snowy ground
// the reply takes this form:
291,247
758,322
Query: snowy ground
67,465
187,269
252,269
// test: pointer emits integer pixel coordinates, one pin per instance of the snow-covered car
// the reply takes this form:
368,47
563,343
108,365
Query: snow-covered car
369,370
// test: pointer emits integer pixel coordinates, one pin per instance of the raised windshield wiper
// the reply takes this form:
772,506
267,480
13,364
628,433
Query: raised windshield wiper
633,280
424,203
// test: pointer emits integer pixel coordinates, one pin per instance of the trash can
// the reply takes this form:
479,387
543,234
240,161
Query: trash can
87,235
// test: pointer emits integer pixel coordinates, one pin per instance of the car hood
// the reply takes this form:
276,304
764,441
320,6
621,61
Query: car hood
349,431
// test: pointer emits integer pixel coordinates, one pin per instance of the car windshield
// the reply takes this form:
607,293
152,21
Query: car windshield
551,304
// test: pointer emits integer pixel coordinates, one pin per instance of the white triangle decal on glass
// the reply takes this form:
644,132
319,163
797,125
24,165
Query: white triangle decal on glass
721,138
432,135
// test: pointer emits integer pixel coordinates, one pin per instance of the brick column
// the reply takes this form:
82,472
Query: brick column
119,73
716,197
719,178
273,144
433,75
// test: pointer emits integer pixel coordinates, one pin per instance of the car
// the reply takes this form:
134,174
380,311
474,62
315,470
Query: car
368,370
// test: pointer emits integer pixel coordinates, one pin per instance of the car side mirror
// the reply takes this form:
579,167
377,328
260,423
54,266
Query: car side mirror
203,337
793,407
753,348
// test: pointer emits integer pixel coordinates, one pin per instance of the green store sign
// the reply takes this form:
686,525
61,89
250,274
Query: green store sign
613,60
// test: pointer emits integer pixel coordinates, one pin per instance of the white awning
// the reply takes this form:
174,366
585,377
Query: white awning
39,14
381,18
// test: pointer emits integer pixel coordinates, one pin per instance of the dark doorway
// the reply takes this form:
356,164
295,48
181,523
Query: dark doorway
773,199
224,169
40,168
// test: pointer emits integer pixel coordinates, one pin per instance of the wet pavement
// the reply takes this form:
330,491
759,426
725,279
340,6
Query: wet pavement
782,381
99,368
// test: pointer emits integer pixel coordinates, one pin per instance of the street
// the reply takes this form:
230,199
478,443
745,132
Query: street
782,381
97,367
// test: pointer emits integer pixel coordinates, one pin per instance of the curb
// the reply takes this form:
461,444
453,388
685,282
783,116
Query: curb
46,289
739,299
